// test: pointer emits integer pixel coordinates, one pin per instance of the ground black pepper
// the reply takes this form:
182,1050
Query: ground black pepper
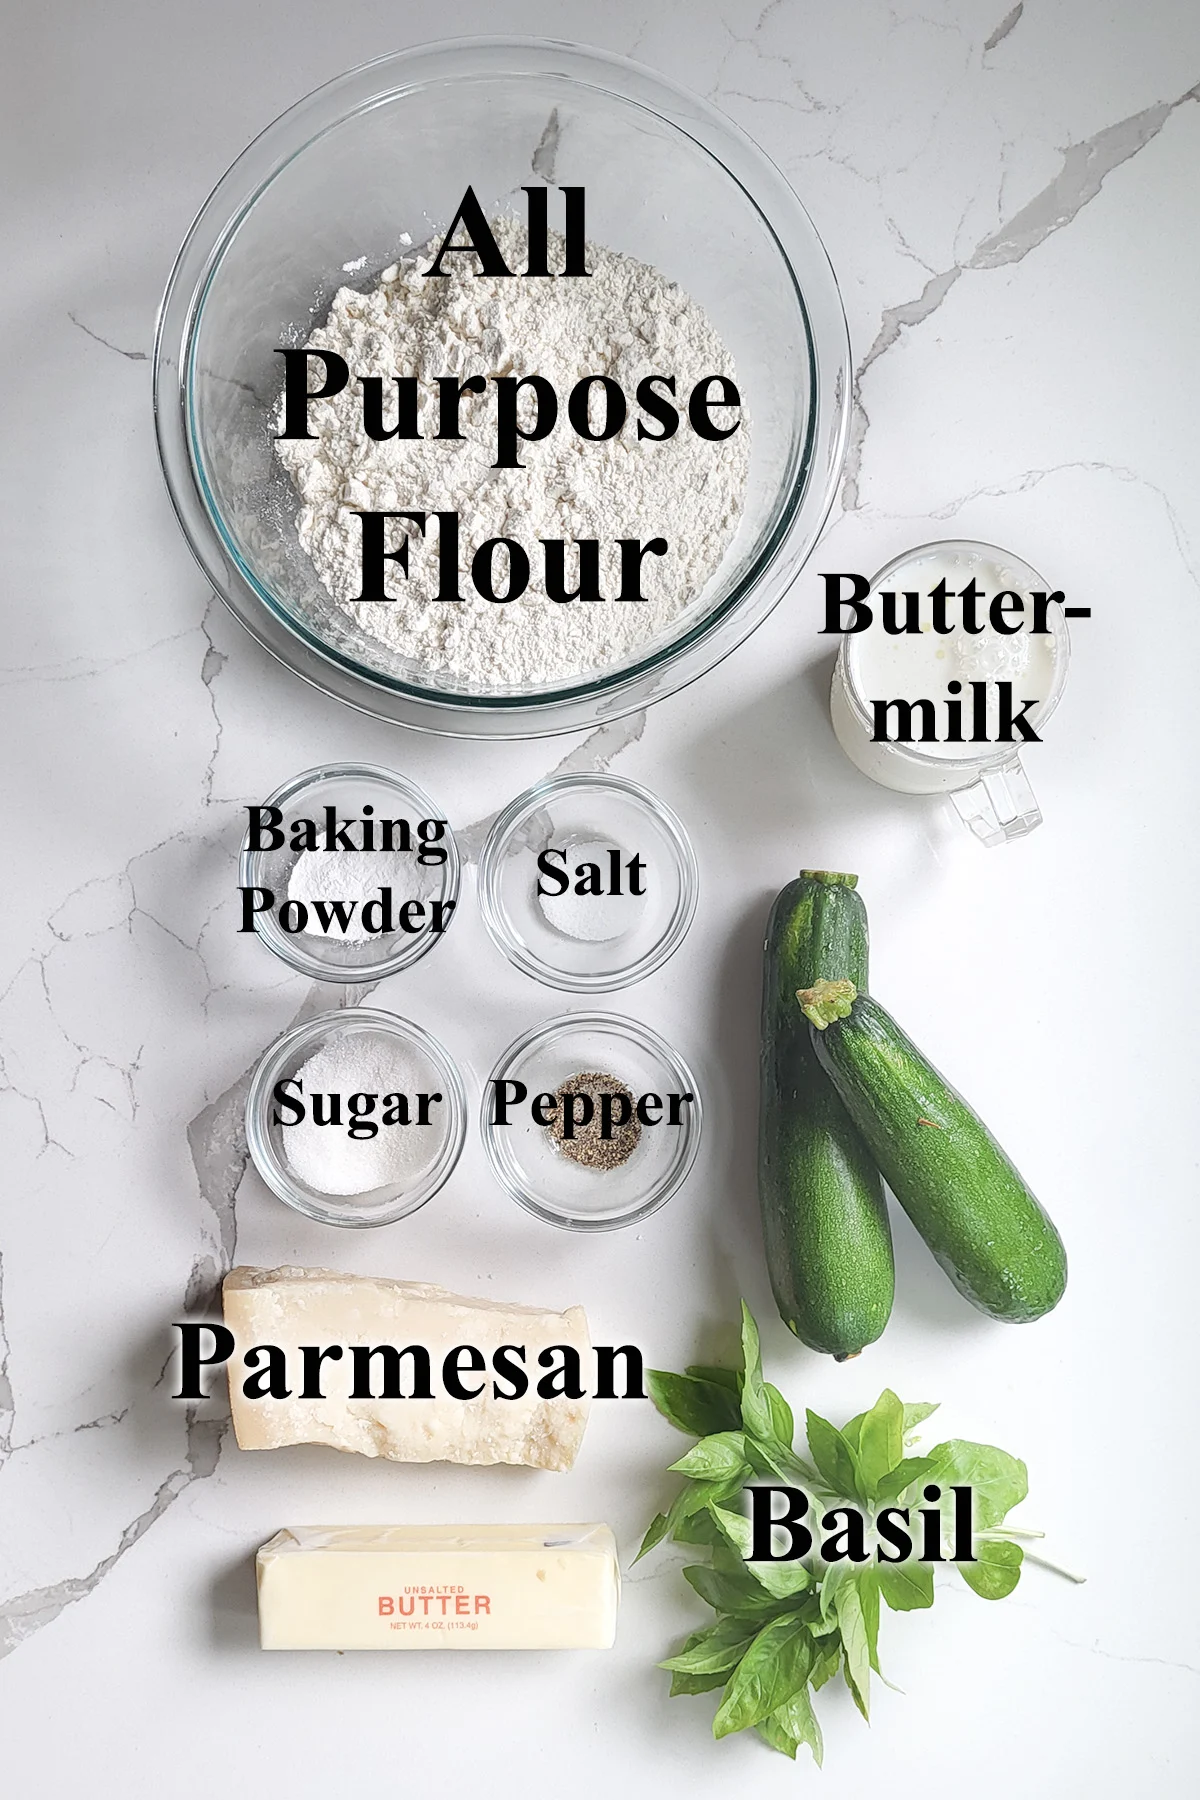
587,1145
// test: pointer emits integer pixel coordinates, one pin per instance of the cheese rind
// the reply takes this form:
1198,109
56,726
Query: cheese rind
440,1587
291,1307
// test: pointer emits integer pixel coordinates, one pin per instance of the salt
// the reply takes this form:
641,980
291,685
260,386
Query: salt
326,1157
352,875
591,918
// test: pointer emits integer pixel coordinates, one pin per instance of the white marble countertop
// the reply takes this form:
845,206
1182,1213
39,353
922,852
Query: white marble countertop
1009,201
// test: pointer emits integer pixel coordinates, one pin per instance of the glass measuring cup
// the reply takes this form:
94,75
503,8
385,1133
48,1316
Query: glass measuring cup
987,784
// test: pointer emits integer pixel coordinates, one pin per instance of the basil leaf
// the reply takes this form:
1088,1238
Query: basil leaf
726,1560
997,1571
821,1626
799,1721
697,1407
906,1472
756,1408
880,1440
856,1648
696,1684
698,1528
773,1459
835,1460
775,1665
773,1731
687,1521
730,1594
851,1429
868,1593
835,1574
783,1580
655,1533
720,1457
714,1651
907,1587
826,1660
782,1419
999,1481
917,1412
693,1499
726,1378
765,1460
735,1527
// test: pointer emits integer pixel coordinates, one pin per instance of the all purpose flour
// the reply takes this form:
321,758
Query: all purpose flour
627,322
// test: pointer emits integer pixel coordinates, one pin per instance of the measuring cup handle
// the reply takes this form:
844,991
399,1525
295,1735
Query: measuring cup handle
1000,805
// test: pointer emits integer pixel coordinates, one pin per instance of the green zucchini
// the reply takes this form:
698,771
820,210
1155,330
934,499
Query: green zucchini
976,1213
825,1225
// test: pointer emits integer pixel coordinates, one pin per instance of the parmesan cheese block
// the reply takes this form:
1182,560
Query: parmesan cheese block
439,1587
291,1308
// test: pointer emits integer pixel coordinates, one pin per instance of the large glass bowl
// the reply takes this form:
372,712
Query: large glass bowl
328,196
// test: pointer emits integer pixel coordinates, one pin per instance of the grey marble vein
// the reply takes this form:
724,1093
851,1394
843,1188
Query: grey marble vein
100,1423
1032,478
87,667
1159,1662
787,62
895,320
27,1613
592,754
1008,23
217,1141
8,1086
545,156
130,355
214,661
6,1391
1085,168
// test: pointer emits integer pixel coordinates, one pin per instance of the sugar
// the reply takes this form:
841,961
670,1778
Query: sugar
326,1157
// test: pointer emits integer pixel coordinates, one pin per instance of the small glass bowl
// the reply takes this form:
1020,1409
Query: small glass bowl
376,1206
347,787
551,1185
579,810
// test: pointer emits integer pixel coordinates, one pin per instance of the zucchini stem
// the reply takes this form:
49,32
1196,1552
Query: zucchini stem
826,1001
830,878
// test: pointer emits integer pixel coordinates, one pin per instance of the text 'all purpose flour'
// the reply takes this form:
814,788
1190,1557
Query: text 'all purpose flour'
541,552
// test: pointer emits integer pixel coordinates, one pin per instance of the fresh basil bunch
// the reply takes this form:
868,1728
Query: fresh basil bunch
783,1629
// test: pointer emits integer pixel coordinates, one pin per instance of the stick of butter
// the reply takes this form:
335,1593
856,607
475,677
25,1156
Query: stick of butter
294,1308
439,1587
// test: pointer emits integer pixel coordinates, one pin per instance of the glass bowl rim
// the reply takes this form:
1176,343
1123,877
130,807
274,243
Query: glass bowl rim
495,913
620,1026
309,1033
533,712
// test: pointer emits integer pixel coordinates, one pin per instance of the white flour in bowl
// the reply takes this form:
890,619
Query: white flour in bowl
626,322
